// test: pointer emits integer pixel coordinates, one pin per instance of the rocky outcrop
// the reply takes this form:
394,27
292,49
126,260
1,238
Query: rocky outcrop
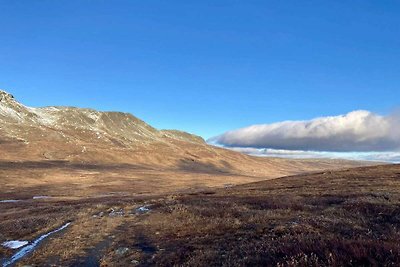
4,96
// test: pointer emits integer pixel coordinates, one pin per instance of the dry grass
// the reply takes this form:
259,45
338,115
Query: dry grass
341,218
24,179
348,218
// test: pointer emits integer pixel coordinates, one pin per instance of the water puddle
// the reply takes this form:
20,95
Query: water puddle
10,200
19,200
142,210
31,247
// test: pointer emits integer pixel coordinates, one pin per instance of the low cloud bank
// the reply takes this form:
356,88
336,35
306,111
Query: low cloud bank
357,131
299,154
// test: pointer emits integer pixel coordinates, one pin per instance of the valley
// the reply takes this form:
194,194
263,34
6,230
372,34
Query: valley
81,187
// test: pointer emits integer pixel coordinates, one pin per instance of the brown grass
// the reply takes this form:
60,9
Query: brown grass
341,218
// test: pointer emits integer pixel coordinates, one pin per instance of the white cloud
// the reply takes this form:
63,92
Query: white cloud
300,154
357,131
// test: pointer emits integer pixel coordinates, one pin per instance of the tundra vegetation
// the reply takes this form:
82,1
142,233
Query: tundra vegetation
349,217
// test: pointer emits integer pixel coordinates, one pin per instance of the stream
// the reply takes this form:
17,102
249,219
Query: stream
31,247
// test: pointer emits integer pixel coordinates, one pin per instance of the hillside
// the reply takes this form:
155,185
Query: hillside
89,152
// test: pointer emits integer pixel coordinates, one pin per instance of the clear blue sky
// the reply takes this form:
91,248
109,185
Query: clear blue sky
203,66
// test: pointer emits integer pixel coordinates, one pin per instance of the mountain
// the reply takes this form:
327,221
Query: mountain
73,134
80,135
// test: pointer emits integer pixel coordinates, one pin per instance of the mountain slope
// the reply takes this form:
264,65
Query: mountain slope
88,136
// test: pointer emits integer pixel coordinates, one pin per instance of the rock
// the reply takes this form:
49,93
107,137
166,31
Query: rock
228,185
5,96
116,213
122,251
101,214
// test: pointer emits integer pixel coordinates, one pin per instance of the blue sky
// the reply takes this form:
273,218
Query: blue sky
204,66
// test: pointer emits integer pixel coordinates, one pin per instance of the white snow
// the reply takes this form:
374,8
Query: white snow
7,111
45,115
41,197
14,244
